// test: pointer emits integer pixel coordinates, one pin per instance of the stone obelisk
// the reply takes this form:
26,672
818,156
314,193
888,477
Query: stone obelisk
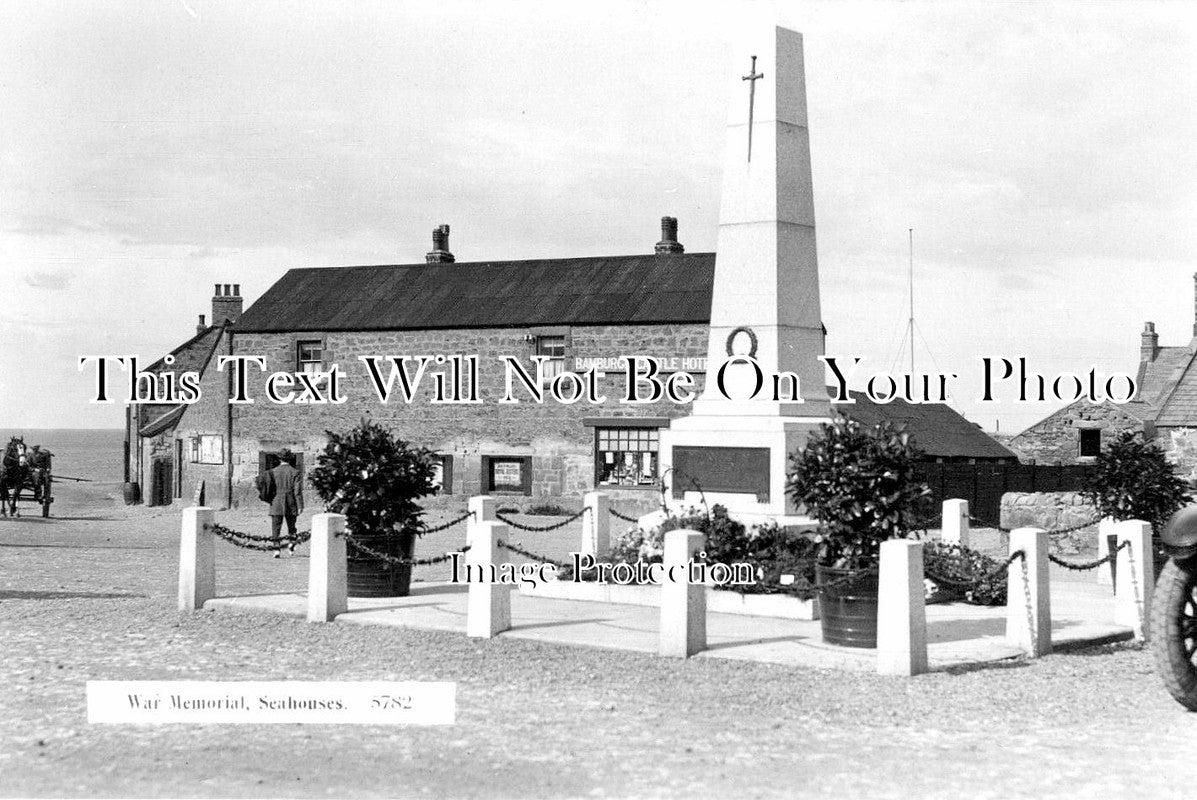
765,301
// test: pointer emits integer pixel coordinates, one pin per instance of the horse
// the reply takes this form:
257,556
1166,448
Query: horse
14,473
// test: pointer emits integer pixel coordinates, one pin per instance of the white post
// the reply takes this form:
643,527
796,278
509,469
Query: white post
902,614
488,606
328,590
596,524
954,528
197,559
1136,576
482,510
683,604
1105,529
1028,594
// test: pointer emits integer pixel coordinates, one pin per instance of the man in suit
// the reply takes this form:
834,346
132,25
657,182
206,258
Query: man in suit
288,497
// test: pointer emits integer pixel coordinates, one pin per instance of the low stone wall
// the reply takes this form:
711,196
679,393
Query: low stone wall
1051,511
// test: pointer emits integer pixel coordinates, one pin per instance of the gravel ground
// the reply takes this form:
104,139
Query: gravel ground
90,595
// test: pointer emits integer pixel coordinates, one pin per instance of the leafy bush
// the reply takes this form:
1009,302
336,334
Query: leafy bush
962,563
374,479
773,551
549,510
1135,481
859,484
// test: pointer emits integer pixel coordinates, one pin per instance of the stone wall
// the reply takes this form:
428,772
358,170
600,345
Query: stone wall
552,433
1051,511
1056,439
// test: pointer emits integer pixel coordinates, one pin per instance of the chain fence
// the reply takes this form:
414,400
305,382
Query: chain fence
514,548
1081,566
542,528
396,560
249,541
1053,532
967,580
446,525
624,517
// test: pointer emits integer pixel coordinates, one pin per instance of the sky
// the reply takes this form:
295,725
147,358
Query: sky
1041,152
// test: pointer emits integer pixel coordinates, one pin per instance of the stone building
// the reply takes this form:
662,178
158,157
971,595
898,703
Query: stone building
1164,408
573,313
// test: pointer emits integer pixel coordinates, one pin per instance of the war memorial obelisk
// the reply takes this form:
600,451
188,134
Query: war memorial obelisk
765,300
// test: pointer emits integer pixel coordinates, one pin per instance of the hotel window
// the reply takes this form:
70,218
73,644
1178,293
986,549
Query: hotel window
507,474
1090,442
626,456
554,348
309,355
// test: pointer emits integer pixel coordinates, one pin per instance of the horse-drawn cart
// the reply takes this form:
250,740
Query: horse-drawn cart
25,474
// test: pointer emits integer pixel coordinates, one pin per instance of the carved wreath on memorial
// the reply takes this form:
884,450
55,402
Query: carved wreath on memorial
731,339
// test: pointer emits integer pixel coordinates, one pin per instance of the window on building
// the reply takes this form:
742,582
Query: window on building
309,355
626,456
554,348
207,448
442,467
1090,442
507,474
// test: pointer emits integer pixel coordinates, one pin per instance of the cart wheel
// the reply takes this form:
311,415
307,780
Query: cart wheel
1173,630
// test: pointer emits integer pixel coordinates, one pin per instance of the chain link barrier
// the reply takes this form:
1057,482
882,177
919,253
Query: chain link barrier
445,526
1081,566
963,581
541,529
1053,532
249,541
624,517
534,556
395,560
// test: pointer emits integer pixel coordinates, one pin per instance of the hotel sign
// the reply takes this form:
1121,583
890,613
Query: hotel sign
697,364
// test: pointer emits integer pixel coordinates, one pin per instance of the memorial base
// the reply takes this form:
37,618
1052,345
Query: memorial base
740,463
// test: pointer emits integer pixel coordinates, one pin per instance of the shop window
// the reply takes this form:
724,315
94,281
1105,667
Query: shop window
207,448
1090,442
309,355
507,474
442,466
626,456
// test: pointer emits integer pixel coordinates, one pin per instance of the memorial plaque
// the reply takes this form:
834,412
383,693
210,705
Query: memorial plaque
738,470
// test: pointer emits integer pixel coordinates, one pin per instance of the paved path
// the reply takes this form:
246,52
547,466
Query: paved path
958,634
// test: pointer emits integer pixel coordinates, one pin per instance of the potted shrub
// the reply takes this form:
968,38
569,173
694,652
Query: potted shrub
1134,480
374,479
858,483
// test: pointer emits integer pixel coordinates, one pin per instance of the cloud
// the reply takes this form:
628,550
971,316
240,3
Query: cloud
53,280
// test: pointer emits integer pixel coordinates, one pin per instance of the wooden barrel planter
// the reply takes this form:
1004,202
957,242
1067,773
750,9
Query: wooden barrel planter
848,608
369,576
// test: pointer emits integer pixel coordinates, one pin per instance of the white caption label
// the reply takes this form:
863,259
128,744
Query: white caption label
257,702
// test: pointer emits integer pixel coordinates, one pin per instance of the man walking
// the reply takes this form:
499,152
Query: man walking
287,502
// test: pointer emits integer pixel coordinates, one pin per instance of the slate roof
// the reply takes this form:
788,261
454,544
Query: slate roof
1178,402
938,430
638,289
1155,378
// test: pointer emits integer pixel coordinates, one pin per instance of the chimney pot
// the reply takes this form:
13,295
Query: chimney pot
226,304
216,291
1149,346
669,242
236,290
201,327
440,247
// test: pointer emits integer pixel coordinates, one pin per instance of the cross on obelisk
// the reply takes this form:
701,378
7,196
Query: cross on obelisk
752,77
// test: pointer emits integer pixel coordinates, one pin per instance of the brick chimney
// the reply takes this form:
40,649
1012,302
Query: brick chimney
226,303
669,242
440,247
1150,343
202,326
